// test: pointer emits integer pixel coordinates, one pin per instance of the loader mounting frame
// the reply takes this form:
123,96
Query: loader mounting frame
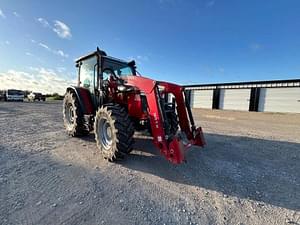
174,147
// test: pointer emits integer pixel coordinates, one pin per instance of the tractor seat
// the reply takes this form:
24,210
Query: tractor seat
125,88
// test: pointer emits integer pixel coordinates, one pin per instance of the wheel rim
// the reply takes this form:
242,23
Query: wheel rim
69,114
105,133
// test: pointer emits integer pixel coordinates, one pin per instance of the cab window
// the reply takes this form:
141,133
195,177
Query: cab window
88,71
119,68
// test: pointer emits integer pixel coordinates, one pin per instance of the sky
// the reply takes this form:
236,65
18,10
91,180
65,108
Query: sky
181,41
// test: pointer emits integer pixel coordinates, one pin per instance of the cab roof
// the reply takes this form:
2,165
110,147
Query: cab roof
102,53
99,52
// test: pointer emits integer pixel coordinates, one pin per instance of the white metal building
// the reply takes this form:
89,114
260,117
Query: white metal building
261,96
279,100
234,99
202,99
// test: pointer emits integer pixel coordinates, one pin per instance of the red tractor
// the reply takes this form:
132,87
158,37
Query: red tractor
113,100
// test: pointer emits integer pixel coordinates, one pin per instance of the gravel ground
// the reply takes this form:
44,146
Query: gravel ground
249,173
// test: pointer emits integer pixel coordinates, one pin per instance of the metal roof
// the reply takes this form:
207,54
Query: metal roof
247,84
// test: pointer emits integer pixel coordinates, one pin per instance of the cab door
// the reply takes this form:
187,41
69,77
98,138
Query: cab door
88,74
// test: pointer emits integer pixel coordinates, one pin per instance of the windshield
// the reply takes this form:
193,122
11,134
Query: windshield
119,68
15,92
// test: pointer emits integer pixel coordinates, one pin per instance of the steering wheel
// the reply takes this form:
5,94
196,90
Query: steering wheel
110,73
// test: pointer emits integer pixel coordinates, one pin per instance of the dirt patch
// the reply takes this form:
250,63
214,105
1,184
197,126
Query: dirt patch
248,173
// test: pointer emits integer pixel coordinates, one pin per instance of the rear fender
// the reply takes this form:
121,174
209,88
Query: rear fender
84,98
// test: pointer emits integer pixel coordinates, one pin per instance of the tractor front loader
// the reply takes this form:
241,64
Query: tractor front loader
113,100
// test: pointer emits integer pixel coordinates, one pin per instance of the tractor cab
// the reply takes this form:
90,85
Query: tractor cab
97,70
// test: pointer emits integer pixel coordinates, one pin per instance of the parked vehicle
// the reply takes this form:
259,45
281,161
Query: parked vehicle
31,97
39,96
2,94
14,95
36,96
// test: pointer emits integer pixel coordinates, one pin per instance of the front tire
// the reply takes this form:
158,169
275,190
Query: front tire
72,115
113,132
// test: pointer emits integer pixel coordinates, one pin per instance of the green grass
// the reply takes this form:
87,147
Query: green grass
53,98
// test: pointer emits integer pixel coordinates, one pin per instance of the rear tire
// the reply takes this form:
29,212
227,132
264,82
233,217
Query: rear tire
72,115
113,132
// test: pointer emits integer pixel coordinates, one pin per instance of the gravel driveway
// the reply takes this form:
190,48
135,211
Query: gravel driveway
249,173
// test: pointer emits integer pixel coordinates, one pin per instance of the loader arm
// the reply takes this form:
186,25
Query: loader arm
174,147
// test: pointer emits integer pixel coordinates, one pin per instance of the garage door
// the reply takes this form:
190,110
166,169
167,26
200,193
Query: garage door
279,100
235,99
202,99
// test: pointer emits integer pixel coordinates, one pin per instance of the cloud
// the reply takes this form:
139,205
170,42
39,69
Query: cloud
38,80
139,59
16,14
56,52
2,14
210,3
44,46
7,42
32,55
43,22
61,53
61,69
62,30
